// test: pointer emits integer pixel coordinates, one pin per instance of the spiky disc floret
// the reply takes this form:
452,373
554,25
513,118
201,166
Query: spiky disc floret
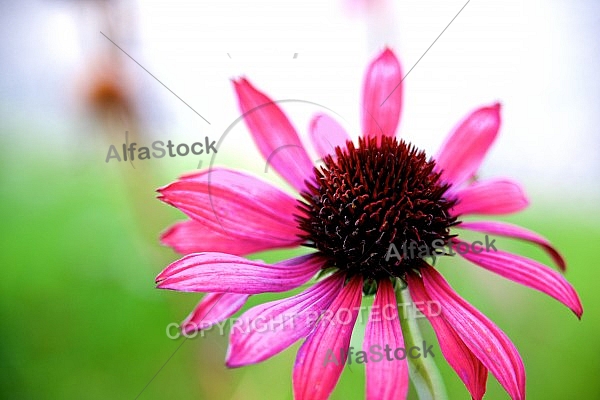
365,198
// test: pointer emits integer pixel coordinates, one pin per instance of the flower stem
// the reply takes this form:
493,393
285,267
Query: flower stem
423,372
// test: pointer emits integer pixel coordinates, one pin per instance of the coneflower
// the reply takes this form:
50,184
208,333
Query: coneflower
361,200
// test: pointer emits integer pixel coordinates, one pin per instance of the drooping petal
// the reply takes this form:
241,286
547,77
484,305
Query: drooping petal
237,205
386,380
326,134
270,328
464,149
517,232
527,272
212,309
191,236
274,135
322,356
489,344
382,96
467,366
219,272
492,197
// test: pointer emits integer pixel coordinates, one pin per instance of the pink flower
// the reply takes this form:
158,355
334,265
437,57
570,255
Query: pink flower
350,210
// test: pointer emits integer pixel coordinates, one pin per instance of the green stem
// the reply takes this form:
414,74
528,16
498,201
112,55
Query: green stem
423,372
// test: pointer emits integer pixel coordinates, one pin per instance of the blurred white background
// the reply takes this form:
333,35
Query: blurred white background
539,59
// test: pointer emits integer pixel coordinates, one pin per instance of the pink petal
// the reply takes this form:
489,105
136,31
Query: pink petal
219,272
326,134
385,379
468,367
314,378
517,232
382,85
212,309
463,151
274,135
490,197
237,205
480,335
529,273
270,328
190,236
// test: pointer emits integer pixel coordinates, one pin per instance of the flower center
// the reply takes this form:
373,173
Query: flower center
366,198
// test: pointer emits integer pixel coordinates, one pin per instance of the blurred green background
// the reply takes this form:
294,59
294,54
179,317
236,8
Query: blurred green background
82,319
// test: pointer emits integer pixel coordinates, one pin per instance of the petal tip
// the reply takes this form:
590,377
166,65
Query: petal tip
493,111
164,199
166,236
231,361
387,52
232,365
388,57
160,277
162,188
239,83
